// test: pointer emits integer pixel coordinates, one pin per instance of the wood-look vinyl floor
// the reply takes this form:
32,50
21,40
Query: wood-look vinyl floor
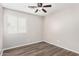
39,49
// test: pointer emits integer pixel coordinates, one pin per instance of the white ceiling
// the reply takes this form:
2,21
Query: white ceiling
24,7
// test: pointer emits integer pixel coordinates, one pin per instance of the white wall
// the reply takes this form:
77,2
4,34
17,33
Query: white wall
33,34
1,29
62,28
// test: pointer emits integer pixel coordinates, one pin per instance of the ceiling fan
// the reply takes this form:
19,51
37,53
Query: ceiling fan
40,5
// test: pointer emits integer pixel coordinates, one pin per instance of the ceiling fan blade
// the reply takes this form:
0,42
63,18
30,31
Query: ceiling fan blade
44,10
32,6
47,6
36,10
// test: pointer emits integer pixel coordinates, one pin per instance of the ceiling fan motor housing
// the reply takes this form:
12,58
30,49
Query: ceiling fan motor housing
39,4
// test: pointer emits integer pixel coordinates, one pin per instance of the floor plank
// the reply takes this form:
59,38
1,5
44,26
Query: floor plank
39,49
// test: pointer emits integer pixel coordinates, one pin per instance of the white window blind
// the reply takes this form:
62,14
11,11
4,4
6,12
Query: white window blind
11,23
15,23
21,25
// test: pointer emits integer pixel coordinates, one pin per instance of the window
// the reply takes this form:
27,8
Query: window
15,23
21,25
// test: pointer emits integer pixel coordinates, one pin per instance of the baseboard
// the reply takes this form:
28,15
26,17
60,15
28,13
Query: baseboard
20,45
63,47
